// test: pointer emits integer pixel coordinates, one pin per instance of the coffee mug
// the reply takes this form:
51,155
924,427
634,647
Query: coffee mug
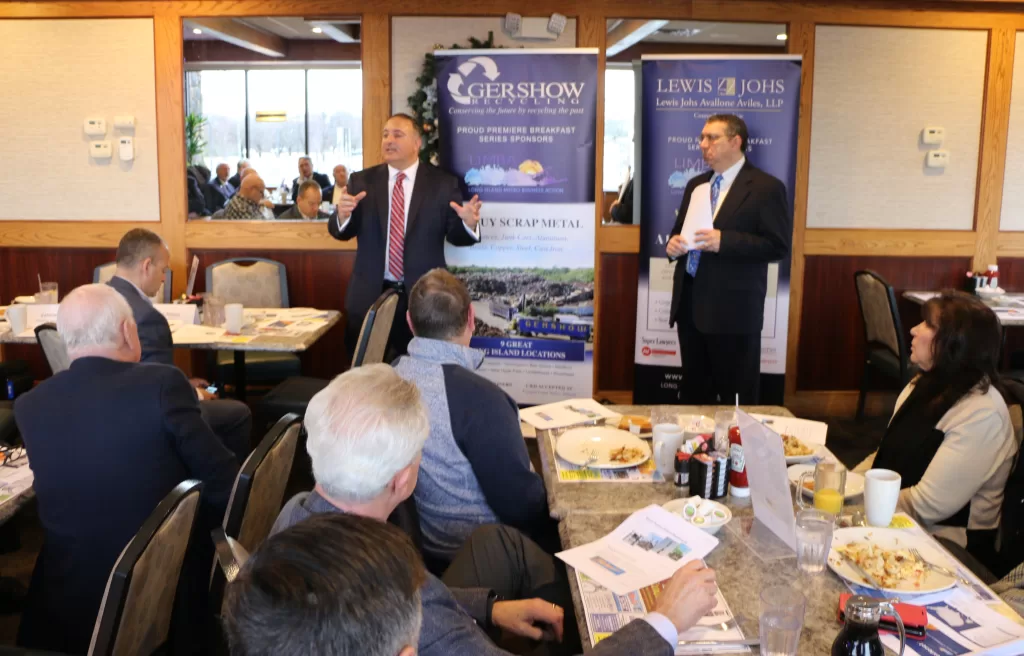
233,318
667,438
17,316
881,494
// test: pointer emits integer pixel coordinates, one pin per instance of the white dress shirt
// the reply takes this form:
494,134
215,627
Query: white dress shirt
407,187
728,177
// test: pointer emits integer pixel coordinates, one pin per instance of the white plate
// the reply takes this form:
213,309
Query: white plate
718,516
592,445
854,481
889,538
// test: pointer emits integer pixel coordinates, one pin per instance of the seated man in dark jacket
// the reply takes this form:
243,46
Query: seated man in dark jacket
475,468
366,432
306,172
107,440
307,205
142,258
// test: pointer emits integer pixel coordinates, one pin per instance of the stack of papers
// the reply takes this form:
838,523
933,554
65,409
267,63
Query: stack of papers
571,412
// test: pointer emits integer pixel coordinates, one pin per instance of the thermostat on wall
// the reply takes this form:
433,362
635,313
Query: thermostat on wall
100,150
96,127
937,159
125,149
124,122
933,136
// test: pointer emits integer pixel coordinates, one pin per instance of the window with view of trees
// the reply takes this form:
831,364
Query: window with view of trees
619,110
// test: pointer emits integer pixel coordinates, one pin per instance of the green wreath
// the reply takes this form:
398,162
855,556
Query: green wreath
424,102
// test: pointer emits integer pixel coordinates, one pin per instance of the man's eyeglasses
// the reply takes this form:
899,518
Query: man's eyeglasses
710,138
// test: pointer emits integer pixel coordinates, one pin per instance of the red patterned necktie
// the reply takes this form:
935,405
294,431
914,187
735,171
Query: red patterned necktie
396,239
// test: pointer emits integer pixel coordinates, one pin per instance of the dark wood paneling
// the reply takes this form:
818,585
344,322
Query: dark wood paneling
69,267
831,349
617,323
211,51
315,279
1011,278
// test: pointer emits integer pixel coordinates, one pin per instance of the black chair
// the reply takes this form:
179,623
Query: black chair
886,349
258,494
372,345
54,349
8,427
135,614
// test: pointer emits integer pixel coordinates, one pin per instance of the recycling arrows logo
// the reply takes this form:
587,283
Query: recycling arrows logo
455,80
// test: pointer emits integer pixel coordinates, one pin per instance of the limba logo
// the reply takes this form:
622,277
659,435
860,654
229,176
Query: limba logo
475,82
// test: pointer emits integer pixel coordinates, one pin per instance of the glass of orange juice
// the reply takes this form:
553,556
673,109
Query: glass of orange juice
829,480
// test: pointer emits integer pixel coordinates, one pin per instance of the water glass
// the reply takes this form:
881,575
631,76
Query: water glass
47,293
213,311
813,540
782,618
724,420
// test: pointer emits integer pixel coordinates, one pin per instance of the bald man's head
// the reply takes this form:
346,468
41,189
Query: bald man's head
246,172
96,320
252,187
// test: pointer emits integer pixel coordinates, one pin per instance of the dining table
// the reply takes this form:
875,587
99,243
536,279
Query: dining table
748,558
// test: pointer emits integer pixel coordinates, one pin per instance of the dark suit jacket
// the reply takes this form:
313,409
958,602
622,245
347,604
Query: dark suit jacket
214,197
431,220
108,441
235,181
154,331
320,178
294,213
728,292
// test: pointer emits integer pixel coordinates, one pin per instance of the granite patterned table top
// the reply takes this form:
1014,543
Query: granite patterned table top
1006,306
565,498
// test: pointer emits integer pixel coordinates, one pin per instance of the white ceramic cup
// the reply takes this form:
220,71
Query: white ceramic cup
881,493
17,316
667,438
233,318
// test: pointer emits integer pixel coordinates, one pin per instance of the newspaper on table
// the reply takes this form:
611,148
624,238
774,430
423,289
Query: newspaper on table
607,612
562,414
806,430
646,548
15,477
961,624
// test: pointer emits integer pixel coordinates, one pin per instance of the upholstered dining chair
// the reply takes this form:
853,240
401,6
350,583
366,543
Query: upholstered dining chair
255,282
105,272
258,493
54,349
886,349
135,614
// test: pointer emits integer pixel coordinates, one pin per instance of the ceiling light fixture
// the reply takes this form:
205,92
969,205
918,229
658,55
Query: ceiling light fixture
781,37
196,30
317,30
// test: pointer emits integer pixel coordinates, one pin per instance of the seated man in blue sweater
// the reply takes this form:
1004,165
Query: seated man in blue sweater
475,468
366,432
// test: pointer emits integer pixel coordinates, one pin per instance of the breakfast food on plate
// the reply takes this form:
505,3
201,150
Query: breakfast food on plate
643,422
890,567
795,447
626,454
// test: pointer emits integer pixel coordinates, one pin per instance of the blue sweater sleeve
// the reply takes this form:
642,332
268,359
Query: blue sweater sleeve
485,424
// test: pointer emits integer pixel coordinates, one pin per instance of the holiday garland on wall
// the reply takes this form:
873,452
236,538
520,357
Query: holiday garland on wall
424,102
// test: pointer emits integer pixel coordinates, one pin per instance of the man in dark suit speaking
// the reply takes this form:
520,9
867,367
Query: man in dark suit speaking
402,211
721,279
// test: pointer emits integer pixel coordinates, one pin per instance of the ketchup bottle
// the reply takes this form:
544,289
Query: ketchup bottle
737,465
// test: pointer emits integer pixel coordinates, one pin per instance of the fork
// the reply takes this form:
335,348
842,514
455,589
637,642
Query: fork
938,568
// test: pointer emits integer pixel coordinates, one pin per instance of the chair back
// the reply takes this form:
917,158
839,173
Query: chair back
54,348
104,272
135,614
882,325
372,345
252,281
258,493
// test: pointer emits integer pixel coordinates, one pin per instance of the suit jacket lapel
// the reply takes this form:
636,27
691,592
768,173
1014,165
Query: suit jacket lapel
738,193
380,193
419,190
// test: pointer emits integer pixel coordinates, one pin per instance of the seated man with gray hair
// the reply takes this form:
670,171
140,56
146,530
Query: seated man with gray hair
365,436
306,173
108,439
332,585
475,468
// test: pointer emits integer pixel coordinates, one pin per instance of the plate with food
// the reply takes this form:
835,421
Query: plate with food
637,425
854,481
885,554
602,447
796,450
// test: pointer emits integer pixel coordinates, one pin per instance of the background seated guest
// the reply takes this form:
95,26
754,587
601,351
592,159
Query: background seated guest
333,193
307,206
306,172
366,431
621,211
142,257
221,182
950,437
333,585
108,439
236,180
212,197
196,198
247,204
475,467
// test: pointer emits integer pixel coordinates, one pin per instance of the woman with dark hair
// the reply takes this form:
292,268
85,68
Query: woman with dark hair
950,437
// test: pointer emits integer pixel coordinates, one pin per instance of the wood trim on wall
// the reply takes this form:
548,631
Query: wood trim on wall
995,127
376,40
263,235
913,243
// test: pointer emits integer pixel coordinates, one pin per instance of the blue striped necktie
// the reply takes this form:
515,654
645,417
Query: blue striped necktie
693,257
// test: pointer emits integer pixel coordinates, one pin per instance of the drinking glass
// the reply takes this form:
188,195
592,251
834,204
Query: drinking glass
213,311
724,420
813,540
47,293
829,486
782,618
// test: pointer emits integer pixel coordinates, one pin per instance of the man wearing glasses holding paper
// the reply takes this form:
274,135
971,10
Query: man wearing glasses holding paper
743,222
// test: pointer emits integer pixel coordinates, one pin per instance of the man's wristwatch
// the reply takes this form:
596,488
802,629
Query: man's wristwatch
492,598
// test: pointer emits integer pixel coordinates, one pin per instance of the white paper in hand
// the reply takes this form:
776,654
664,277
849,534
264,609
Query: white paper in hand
698,213
769,481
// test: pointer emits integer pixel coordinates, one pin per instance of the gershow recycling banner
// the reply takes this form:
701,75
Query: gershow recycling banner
678,94
518,128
